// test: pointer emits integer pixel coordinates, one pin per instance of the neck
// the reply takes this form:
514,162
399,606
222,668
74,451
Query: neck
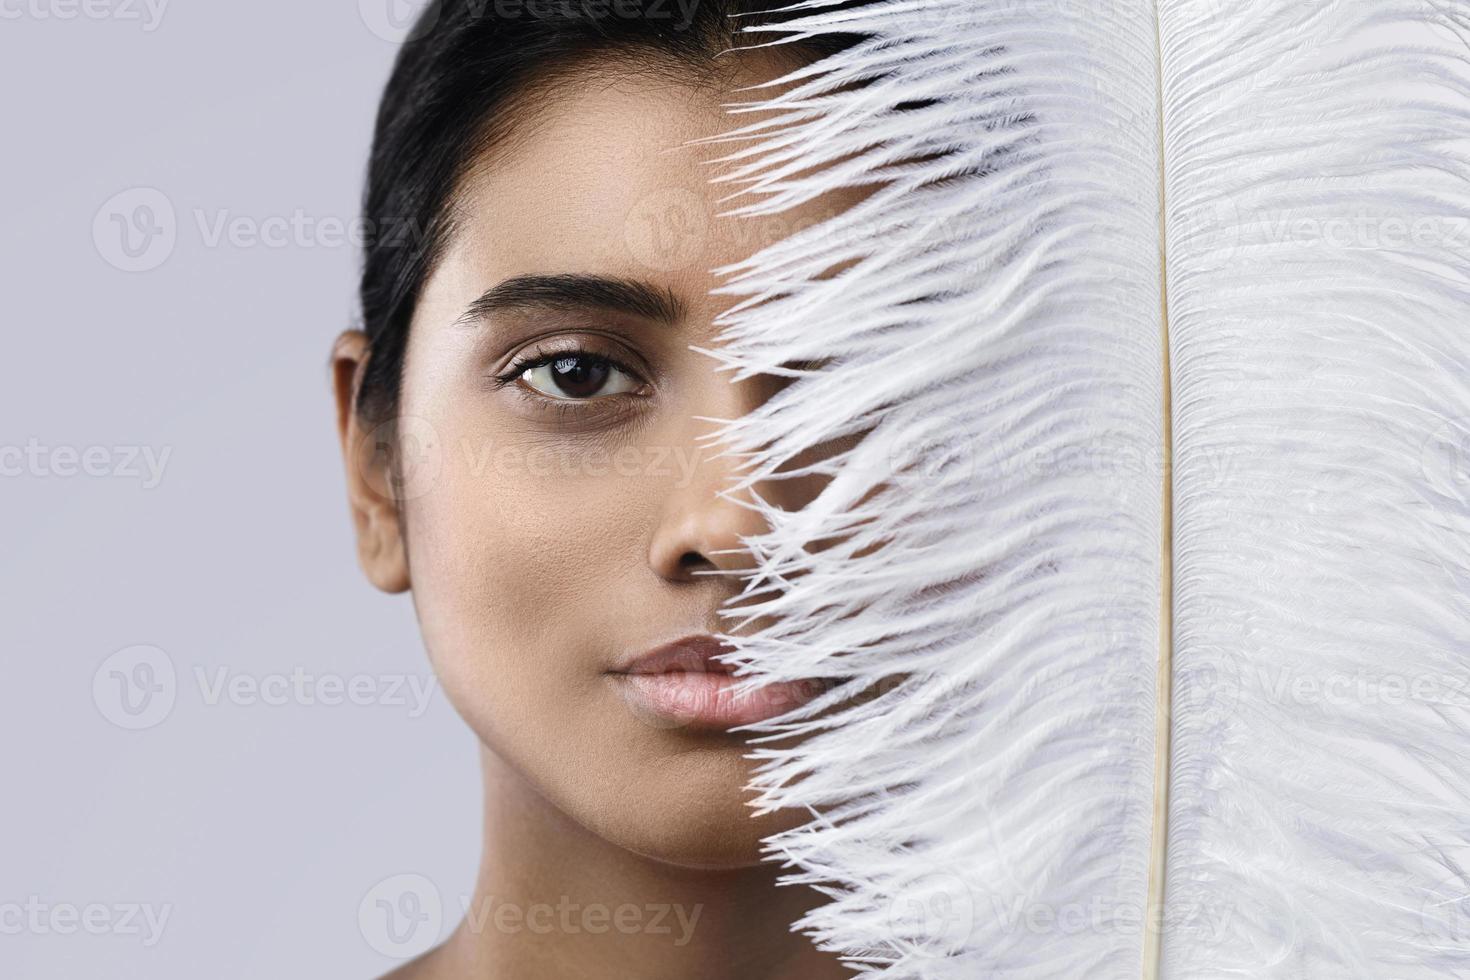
553,901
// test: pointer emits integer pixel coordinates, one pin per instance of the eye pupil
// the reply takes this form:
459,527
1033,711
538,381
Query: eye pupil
580,376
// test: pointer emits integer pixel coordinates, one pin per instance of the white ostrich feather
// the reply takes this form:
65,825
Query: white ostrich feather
1143,572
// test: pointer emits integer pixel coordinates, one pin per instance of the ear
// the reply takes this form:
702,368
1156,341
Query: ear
375,515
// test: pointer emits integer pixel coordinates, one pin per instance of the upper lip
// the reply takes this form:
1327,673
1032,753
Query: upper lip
689,654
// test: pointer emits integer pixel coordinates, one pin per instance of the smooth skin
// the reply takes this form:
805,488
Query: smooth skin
547,538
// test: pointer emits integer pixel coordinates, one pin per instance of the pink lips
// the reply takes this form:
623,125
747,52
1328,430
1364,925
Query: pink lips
683,685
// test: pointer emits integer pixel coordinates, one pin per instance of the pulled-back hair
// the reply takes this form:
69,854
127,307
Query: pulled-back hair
459,87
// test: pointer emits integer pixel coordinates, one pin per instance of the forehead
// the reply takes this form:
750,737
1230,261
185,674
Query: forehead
599,178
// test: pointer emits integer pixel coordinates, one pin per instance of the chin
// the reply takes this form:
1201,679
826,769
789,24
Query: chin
689,808
726,842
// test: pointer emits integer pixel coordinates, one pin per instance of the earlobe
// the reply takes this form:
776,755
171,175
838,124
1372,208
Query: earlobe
375,515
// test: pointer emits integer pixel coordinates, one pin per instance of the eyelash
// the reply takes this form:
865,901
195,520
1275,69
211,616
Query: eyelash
542,356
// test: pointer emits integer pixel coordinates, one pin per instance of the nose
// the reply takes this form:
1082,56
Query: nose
703,521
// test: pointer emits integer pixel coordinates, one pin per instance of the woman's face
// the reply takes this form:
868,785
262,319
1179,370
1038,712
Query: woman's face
560,503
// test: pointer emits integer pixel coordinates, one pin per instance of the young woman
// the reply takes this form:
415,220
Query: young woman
524,419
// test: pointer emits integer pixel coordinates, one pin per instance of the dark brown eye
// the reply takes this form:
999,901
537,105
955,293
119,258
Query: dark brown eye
579,376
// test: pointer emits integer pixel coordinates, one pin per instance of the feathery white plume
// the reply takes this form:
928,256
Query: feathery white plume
1145,594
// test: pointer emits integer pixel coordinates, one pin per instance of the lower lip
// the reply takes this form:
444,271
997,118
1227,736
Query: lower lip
688,699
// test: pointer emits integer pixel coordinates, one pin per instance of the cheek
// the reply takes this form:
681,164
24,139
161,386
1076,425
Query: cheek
524,556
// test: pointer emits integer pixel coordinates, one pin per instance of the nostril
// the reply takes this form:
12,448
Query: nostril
693,561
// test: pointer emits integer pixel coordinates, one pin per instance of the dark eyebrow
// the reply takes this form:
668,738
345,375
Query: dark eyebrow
577,291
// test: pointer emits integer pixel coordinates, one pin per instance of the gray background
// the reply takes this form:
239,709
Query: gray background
280,835
261,828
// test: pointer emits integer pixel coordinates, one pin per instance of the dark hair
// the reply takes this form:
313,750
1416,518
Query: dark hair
454,93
